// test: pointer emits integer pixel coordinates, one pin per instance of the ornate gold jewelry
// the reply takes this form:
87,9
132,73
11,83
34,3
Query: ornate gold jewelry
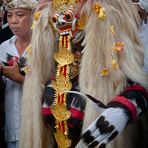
61,5
64,57
64,141
62,83
60,112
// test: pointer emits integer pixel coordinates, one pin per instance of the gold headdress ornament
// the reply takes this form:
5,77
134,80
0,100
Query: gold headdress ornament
27,4
61,5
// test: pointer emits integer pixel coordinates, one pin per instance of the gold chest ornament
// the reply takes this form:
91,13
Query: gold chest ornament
62,83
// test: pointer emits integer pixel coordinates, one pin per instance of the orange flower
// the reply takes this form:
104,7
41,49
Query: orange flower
119,46
97,7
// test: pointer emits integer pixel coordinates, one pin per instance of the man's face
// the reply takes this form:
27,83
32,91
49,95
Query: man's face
19,21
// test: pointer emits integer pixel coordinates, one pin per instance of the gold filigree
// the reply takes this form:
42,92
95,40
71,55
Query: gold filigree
61,84
60,5
60,112
64,57
62,140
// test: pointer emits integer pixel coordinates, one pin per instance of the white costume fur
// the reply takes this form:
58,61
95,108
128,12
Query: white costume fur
97,54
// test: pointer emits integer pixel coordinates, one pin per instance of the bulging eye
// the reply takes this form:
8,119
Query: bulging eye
69,15
55,17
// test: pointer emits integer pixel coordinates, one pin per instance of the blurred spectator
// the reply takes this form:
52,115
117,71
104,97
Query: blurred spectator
5,32
2,88
142,7
143,4
1,2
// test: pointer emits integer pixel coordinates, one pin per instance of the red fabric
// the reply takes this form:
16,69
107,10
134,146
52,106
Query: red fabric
10,62
46,111
137,87
77,114
128,104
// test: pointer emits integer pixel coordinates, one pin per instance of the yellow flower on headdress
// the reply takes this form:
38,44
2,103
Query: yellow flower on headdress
119,46
112,28
37,15
115,64
100,11
82,21
104,72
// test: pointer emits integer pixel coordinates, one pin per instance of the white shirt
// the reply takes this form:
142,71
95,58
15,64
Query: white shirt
144,38
144,4
13,94
144,35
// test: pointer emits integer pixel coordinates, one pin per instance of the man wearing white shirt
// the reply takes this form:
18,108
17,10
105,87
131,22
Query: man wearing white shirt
13,91
12,57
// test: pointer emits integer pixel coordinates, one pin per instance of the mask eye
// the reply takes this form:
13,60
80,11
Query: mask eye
55,17
69,15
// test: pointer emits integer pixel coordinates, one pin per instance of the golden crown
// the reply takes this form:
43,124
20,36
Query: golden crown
59,5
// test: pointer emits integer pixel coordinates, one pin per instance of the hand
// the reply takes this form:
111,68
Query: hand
13,73
105,128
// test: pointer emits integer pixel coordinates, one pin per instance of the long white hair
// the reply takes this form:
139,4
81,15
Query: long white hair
33,133
97,54
99,51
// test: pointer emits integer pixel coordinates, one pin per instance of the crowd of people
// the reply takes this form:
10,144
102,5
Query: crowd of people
73,73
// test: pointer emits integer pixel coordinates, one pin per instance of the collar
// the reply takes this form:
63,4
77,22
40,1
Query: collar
12,40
